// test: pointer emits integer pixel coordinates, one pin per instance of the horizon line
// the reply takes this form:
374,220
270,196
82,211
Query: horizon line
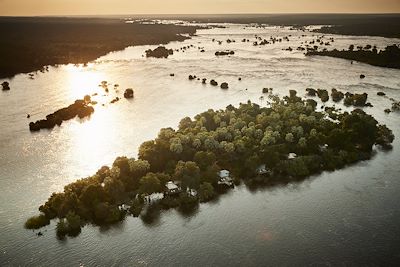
204,14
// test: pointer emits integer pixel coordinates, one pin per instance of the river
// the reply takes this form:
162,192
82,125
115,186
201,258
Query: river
347,217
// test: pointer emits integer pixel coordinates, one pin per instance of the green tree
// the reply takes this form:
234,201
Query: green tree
73,223
185,123
92,195
268,139
61,228
206,191
289,138
296,167
70,203
123,164
37,222
188,173
302,142
138,169
106,213
176,145
150,184
204,159
114,188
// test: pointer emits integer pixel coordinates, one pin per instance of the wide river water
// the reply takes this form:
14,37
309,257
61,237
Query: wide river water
342,218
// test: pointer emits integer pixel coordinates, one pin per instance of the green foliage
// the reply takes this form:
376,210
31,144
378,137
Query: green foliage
74,222
105,213
92,195
136,207
37,222
169,202
289,138
61,229
385,136
187,200
115,189
358,100
150,184
295,167
204,159
361,128
71,225
53,204
206,192
323,95
188,173
123,164
237,139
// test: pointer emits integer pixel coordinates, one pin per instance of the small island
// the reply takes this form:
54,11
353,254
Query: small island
129,93
159,52
5,86
80,108
287,141
350,99
388,58
225,53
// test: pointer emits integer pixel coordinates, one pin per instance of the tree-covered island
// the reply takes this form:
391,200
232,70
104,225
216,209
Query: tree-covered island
285,141
388,58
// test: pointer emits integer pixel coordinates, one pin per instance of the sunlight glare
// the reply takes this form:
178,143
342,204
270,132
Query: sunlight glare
83,80
93,137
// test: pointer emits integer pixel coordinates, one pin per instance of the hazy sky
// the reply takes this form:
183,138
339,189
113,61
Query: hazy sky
94,7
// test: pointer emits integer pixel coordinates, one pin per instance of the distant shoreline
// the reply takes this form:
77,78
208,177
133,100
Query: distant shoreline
28,44
387,58
383,25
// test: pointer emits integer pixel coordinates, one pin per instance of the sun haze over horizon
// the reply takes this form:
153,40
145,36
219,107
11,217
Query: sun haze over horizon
116,7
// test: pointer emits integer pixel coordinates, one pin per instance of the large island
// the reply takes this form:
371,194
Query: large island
288,140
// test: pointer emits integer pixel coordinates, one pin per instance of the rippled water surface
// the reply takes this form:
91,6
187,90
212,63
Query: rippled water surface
347,217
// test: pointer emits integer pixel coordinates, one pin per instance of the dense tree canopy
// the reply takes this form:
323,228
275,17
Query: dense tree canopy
237,139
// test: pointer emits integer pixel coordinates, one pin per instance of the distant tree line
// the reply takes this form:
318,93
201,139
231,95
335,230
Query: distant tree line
29,44
388,58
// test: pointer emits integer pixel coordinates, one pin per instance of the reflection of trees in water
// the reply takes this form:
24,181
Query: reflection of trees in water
151,215
188,211
120,226
273,183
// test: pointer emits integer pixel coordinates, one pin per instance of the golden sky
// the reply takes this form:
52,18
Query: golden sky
100,7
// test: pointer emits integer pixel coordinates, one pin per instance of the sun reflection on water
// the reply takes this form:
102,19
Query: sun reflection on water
92,137
83,80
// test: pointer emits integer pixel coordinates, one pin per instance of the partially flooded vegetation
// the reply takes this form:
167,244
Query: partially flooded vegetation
287,140
311,168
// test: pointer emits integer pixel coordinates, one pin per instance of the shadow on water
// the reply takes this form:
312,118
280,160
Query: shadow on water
119,226
263,184
62,237
188,211
151,215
